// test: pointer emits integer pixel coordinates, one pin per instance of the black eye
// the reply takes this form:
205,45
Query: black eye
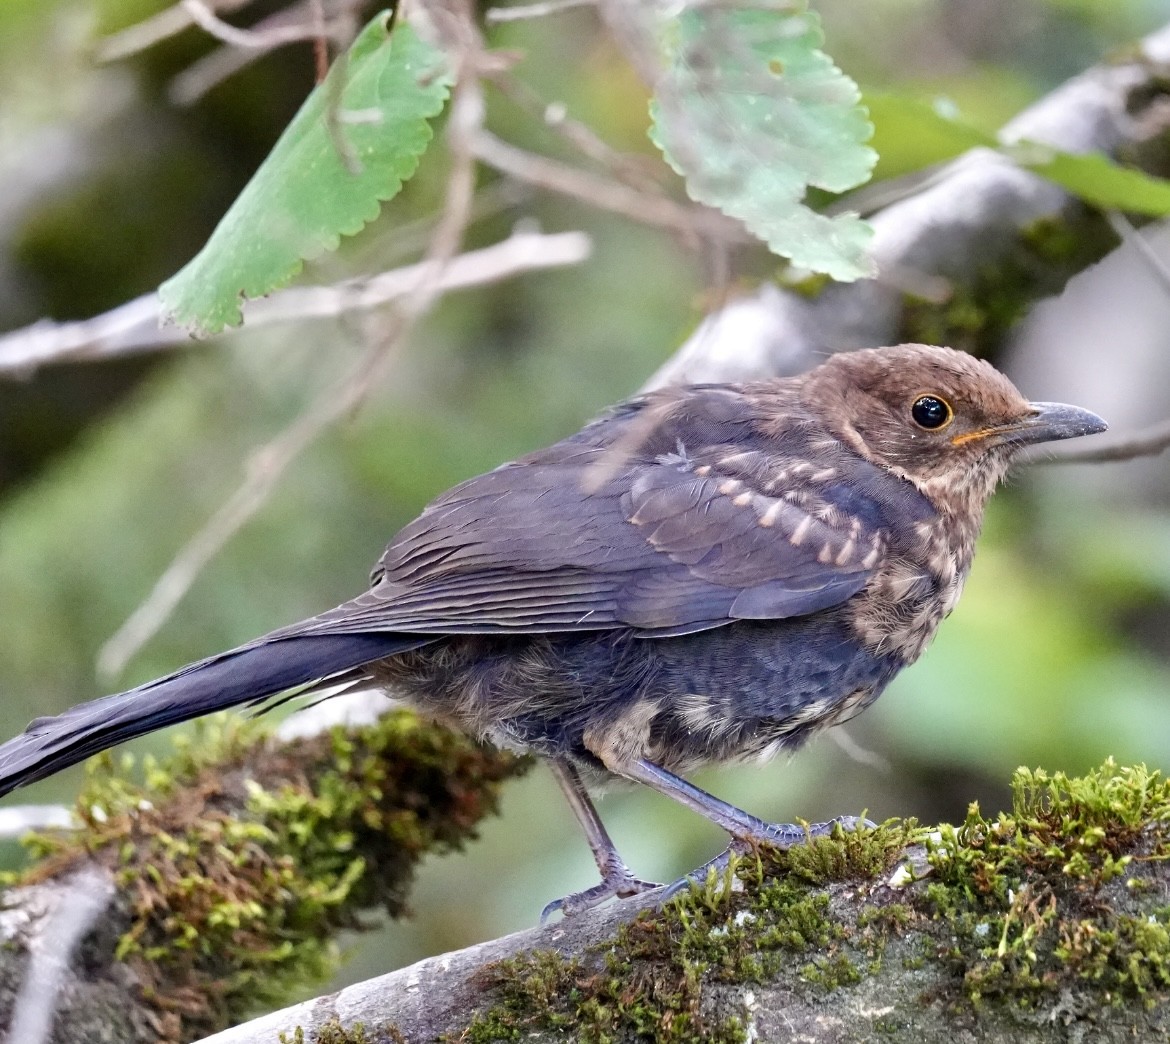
931,412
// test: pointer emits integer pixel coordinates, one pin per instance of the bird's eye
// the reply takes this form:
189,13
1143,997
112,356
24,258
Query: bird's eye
931,412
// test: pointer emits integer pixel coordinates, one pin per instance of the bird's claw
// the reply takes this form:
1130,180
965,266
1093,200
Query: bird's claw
618,883
785,835
777,835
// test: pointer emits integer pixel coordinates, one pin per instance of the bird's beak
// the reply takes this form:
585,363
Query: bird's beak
1051,422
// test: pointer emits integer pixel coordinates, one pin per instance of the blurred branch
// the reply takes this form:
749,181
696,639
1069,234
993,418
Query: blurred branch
1127,233
495,15
134,326
641,206
153,30
246,39
1148,442
635,171
980,214
78,904
188,86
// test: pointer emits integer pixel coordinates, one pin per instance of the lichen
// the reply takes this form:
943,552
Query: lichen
241,857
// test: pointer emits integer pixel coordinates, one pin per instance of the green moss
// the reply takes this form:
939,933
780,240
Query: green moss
1031,911
243,856
333,1032
745,926
984,305
831,972
845,855
1040,901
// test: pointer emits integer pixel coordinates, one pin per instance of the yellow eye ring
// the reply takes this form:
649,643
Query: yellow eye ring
931,412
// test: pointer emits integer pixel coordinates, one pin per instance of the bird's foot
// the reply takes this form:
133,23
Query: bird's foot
785,835
617,883
777,835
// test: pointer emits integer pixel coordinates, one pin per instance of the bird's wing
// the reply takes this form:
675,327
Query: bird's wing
675,542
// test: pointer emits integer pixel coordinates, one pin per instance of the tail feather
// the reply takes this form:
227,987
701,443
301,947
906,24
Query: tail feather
243,675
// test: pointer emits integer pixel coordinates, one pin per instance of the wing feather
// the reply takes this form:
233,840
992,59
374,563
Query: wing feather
684,533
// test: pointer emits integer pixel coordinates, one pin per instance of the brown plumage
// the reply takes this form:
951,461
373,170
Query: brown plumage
705,573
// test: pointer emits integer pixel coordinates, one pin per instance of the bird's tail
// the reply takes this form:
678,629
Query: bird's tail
243,675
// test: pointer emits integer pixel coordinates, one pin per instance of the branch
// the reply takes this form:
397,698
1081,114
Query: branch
134,326
245,853
1012,928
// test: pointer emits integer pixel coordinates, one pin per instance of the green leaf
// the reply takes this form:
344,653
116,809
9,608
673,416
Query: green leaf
910,133
752,113
304,197
1096,179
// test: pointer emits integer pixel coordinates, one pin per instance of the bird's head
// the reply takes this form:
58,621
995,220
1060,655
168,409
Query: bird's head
944,420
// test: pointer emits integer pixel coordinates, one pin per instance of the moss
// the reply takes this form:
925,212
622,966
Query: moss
831,972
1042,901
1038,914
242,856
845,855
985,304
333,1032
651,981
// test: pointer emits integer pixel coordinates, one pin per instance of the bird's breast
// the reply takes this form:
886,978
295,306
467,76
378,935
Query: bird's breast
901,608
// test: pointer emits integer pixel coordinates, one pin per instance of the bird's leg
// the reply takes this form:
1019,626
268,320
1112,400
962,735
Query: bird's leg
746,830
616,878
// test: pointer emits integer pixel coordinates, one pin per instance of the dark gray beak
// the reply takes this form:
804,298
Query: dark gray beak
1053,421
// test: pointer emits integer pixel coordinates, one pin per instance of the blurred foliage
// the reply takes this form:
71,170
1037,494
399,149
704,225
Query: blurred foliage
307,192
1057,654
751,112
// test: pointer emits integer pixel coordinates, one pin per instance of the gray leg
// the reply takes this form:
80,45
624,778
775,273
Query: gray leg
745,829
616,879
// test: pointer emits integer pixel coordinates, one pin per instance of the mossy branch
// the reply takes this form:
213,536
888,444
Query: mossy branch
1050,922
235,864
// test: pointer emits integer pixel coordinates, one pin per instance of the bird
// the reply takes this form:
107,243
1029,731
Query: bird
706,573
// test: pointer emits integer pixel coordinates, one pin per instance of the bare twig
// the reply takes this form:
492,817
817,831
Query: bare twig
515,14
248,39
19,820
1148,442
1128,234
133,327
153,30
602,192
51,950
205,73
633,170
320,39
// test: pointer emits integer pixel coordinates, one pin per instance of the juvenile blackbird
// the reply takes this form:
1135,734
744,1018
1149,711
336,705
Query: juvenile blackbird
705,573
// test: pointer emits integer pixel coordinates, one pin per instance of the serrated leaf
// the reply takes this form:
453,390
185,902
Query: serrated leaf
304,197
752,113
